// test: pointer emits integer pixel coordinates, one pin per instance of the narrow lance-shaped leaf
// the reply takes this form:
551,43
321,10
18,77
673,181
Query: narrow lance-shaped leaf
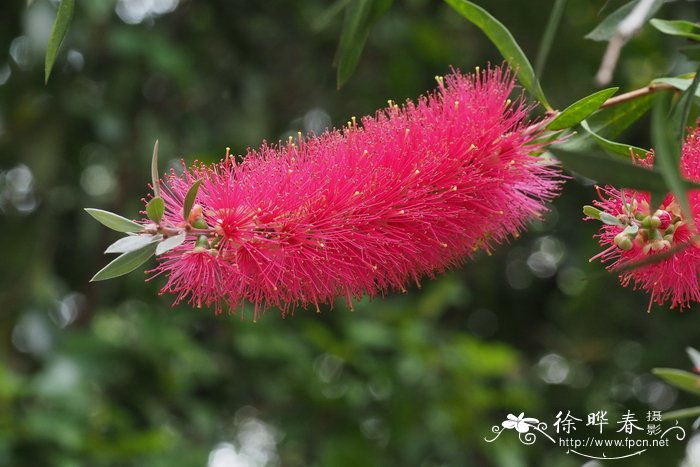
667,152
580,109
612,147
360,16
681,379
58,32
677,82
125,263
155,209
609,26
131,243
694,357
114,221
680,113
605,170
190,197
681,28
504,42
155,174
170,243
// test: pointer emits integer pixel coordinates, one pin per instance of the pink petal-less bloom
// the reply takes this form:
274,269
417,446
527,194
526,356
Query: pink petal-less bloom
666,231
407,193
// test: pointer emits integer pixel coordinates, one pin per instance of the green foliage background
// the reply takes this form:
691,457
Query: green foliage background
109,374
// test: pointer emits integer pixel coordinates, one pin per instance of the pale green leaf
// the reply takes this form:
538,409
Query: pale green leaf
114,221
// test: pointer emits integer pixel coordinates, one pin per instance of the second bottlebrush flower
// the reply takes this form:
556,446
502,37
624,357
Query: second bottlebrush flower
364,210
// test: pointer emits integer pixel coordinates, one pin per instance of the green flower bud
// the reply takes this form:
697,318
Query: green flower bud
623,241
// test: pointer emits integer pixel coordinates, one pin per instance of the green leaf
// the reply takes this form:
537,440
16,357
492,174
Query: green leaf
612,121
324,19
612,147
682,413
155,209
592,212
608,27
360,16
170,243
131,243
58,32
190,197
694,356
504,42
605,170
691,52
667,154
682,110
678,28
114,221
679,83
155,175
580,109
125,263
681,379
550,31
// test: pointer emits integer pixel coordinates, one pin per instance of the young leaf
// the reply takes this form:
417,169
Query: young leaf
155,175
170,243
504,42
190,198
155,209
677,28
613,148
609,219
694,357
114,221
592,212
125,263
609,26
681,379
580,109
131,243
360,16
58,32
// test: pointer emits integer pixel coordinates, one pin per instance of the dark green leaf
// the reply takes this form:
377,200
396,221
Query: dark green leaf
608,27
155,209
548,37
681,379
114,221
190,197
360,16
58,32
691,52
155,175
682,413
612,121
618,172
612,147
580,109
131,243
677,28
170,243
125,263
667,153
504,42
325,18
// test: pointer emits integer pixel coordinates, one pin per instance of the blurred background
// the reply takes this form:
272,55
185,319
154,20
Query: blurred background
108,374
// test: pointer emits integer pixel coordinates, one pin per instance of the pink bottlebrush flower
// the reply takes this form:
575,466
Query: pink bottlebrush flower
366,209
638,234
